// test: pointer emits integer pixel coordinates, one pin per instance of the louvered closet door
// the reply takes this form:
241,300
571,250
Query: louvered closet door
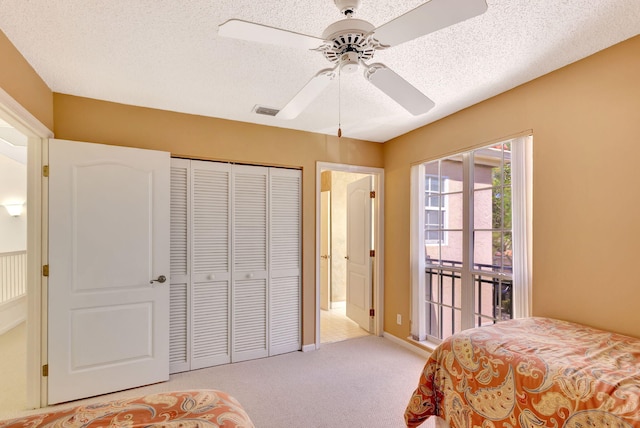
210,274
249,308
285,260
179,326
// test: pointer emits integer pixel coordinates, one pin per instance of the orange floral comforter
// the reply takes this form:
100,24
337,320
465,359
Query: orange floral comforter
532,372
206,408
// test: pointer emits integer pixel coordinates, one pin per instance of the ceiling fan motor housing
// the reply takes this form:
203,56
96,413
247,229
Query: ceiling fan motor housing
349,36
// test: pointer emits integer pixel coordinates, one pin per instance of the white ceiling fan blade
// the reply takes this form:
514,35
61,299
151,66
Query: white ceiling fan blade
308,93
427,18
401,91
244,30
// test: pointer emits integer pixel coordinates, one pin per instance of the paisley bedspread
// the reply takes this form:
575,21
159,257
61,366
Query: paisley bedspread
531,372
205,408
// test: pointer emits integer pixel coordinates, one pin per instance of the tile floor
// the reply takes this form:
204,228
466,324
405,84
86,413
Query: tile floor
335,326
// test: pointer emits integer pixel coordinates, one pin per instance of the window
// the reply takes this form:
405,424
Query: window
434,210
467,279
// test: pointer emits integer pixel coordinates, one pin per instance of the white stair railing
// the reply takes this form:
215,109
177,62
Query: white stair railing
13,275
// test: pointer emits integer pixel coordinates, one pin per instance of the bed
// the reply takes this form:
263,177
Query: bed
531,372
201,408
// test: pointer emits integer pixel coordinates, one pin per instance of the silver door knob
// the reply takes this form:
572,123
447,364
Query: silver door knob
160,279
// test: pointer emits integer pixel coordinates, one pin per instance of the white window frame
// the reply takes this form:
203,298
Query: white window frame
442,209
521,230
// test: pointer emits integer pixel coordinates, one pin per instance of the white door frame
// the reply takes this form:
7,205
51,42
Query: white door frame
38,134
378,212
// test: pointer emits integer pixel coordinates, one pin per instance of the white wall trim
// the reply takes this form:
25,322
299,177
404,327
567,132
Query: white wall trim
12,313
378,278
20,118
7,328
309,348
416,349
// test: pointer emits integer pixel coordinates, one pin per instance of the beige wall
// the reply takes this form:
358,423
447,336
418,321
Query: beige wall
586,233
19,80
83,119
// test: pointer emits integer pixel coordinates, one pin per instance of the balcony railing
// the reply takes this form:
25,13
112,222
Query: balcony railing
493,295
13,275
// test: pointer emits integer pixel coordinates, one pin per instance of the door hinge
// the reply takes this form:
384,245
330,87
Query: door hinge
372,312
45,170
372,194
45,270
372,253
45,370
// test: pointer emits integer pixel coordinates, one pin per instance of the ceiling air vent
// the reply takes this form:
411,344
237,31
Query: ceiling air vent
267,111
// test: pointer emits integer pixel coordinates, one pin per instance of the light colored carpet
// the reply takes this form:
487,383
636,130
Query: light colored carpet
13,366
364,382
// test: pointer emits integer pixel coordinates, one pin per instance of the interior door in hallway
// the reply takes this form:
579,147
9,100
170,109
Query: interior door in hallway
325,250
359,286
108,308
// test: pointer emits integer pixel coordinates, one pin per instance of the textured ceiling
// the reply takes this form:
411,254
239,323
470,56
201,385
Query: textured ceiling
166,54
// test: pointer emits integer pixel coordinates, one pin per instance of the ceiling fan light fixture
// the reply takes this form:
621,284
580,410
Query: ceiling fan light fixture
349,62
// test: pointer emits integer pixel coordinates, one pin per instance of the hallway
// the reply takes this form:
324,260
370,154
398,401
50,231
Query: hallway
13,346
335,326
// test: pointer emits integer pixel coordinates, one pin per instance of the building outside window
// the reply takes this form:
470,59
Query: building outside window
434,210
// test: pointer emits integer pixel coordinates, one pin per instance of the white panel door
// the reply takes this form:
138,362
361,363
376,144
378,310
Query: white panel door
325,249
285,260
358,246
108,239
210,273
249,274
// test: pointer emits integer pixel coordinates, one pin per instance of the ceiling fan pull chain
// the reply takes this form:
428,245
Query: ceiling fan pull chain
339,103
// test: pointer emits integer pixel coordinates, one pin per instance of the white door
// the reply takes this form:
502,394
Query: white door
249,261
358,246
325,256
285,261
108,239
211,266
180,290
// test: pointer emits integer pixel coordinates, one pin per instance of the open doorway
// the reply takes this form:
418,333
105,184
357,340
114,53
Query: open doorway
348,264
13,268
26,135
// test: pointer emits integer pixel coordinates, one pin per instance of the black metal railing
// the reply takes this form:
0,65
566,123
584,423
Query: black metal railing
501,293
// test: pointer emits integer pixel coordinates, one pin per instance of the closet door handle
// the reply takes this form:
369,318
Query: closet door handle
250,275
161,279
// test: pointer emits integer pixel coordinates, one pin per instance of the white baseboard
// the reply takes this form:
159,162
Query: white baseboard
8,327
12,313
308,348
418,350
338,305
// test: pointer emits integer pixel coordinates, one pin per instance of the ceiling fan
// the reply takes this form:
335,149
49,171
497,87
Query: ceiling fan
349,42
